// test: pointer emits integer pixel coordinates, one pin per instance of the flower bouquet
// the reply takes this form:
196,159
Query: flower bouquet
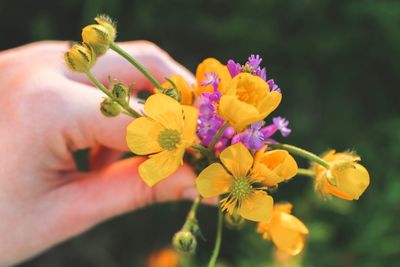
220,125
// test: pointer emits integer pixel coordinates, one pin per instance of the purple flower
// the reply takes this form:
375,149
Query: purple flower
279,124
254,61
252,137
273,86
210,79
234,68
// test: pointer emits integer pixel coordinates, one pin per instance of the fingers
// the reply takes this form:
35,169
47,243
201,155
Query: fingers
85,126
117,189
101,156
153,58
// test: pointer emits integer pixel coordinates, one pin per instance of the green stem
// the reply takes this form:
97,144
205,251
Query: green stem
216,137
123,104
204,151
137,64
192,213
306,172
301,152
218,241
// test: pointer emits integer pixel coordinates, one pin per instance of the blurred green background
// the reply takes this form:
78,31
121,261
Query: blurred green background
338,65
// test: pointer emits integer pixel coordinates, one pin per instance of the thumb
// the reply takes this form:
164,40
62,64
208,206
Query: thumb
93,197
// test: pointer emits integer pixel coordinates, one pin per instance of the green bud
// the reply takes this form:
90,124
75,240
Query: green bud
120,91
110,108
184,242
172,92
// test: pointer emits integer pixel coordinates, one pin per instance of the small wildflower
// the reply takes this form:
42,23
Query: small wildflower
286,231
167,130
235,178
278,124
345,178
211,65
247,100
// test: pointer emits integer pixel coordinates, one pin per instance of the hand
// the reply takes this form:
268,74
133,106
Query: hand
46,113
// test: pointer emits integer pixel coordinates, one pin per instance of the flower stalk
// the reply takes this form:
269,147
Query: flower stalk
305,172
137,65
218,240
300,152
128,110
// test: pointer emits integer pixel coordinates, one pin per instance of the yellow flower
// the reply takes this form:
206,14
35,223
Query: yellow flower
80,58
184,90
286,231
211,65
242,197
274,166
100,35
345,178
163,258
164,134
247,100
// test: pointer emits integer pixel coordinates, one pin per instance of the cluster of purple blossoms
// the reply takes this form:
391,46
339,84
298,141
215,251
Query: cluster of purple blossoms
255,136
209,120
252,66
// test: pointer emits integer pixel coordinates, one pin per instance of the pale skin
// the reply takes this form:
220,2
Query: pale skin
47,112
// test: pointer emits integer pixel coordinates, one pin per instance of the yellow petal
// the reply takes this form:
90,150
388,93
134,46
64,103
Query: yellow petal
213,181
269,103
288,233
274,166
165,110
237,113
182,86
257,206
142,136
160,166
352,180
237,159
212,65
190,124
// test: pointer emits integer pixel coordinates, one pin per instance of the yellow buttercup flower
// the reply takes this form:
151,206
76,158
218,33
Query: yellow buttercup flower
211,65
247,100
164,134
100,35
286,231
274,166
184,90
242,197
345,178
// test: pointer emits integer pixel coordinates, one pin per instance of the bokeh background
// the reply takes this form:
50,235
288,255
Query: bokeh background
338,65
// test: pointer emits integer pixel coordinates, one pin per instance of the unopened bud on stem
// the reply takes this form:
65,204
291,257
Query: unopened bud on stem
184,242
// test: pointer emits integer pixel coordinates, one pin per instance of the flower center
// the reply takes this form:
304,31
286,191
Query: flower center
168,139
240,188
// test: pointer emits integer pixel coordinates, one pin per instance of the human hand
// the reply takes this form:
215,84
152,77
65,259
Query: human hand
47,112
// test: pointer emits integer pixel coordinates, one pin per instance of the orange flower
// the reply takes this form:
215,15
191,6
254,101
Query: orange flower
163,258
286,231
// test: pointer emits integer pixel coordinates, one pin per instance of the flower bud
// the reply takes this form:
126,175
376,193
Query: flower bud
100,35
184,242
80,58
120,91
345,178
110,108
